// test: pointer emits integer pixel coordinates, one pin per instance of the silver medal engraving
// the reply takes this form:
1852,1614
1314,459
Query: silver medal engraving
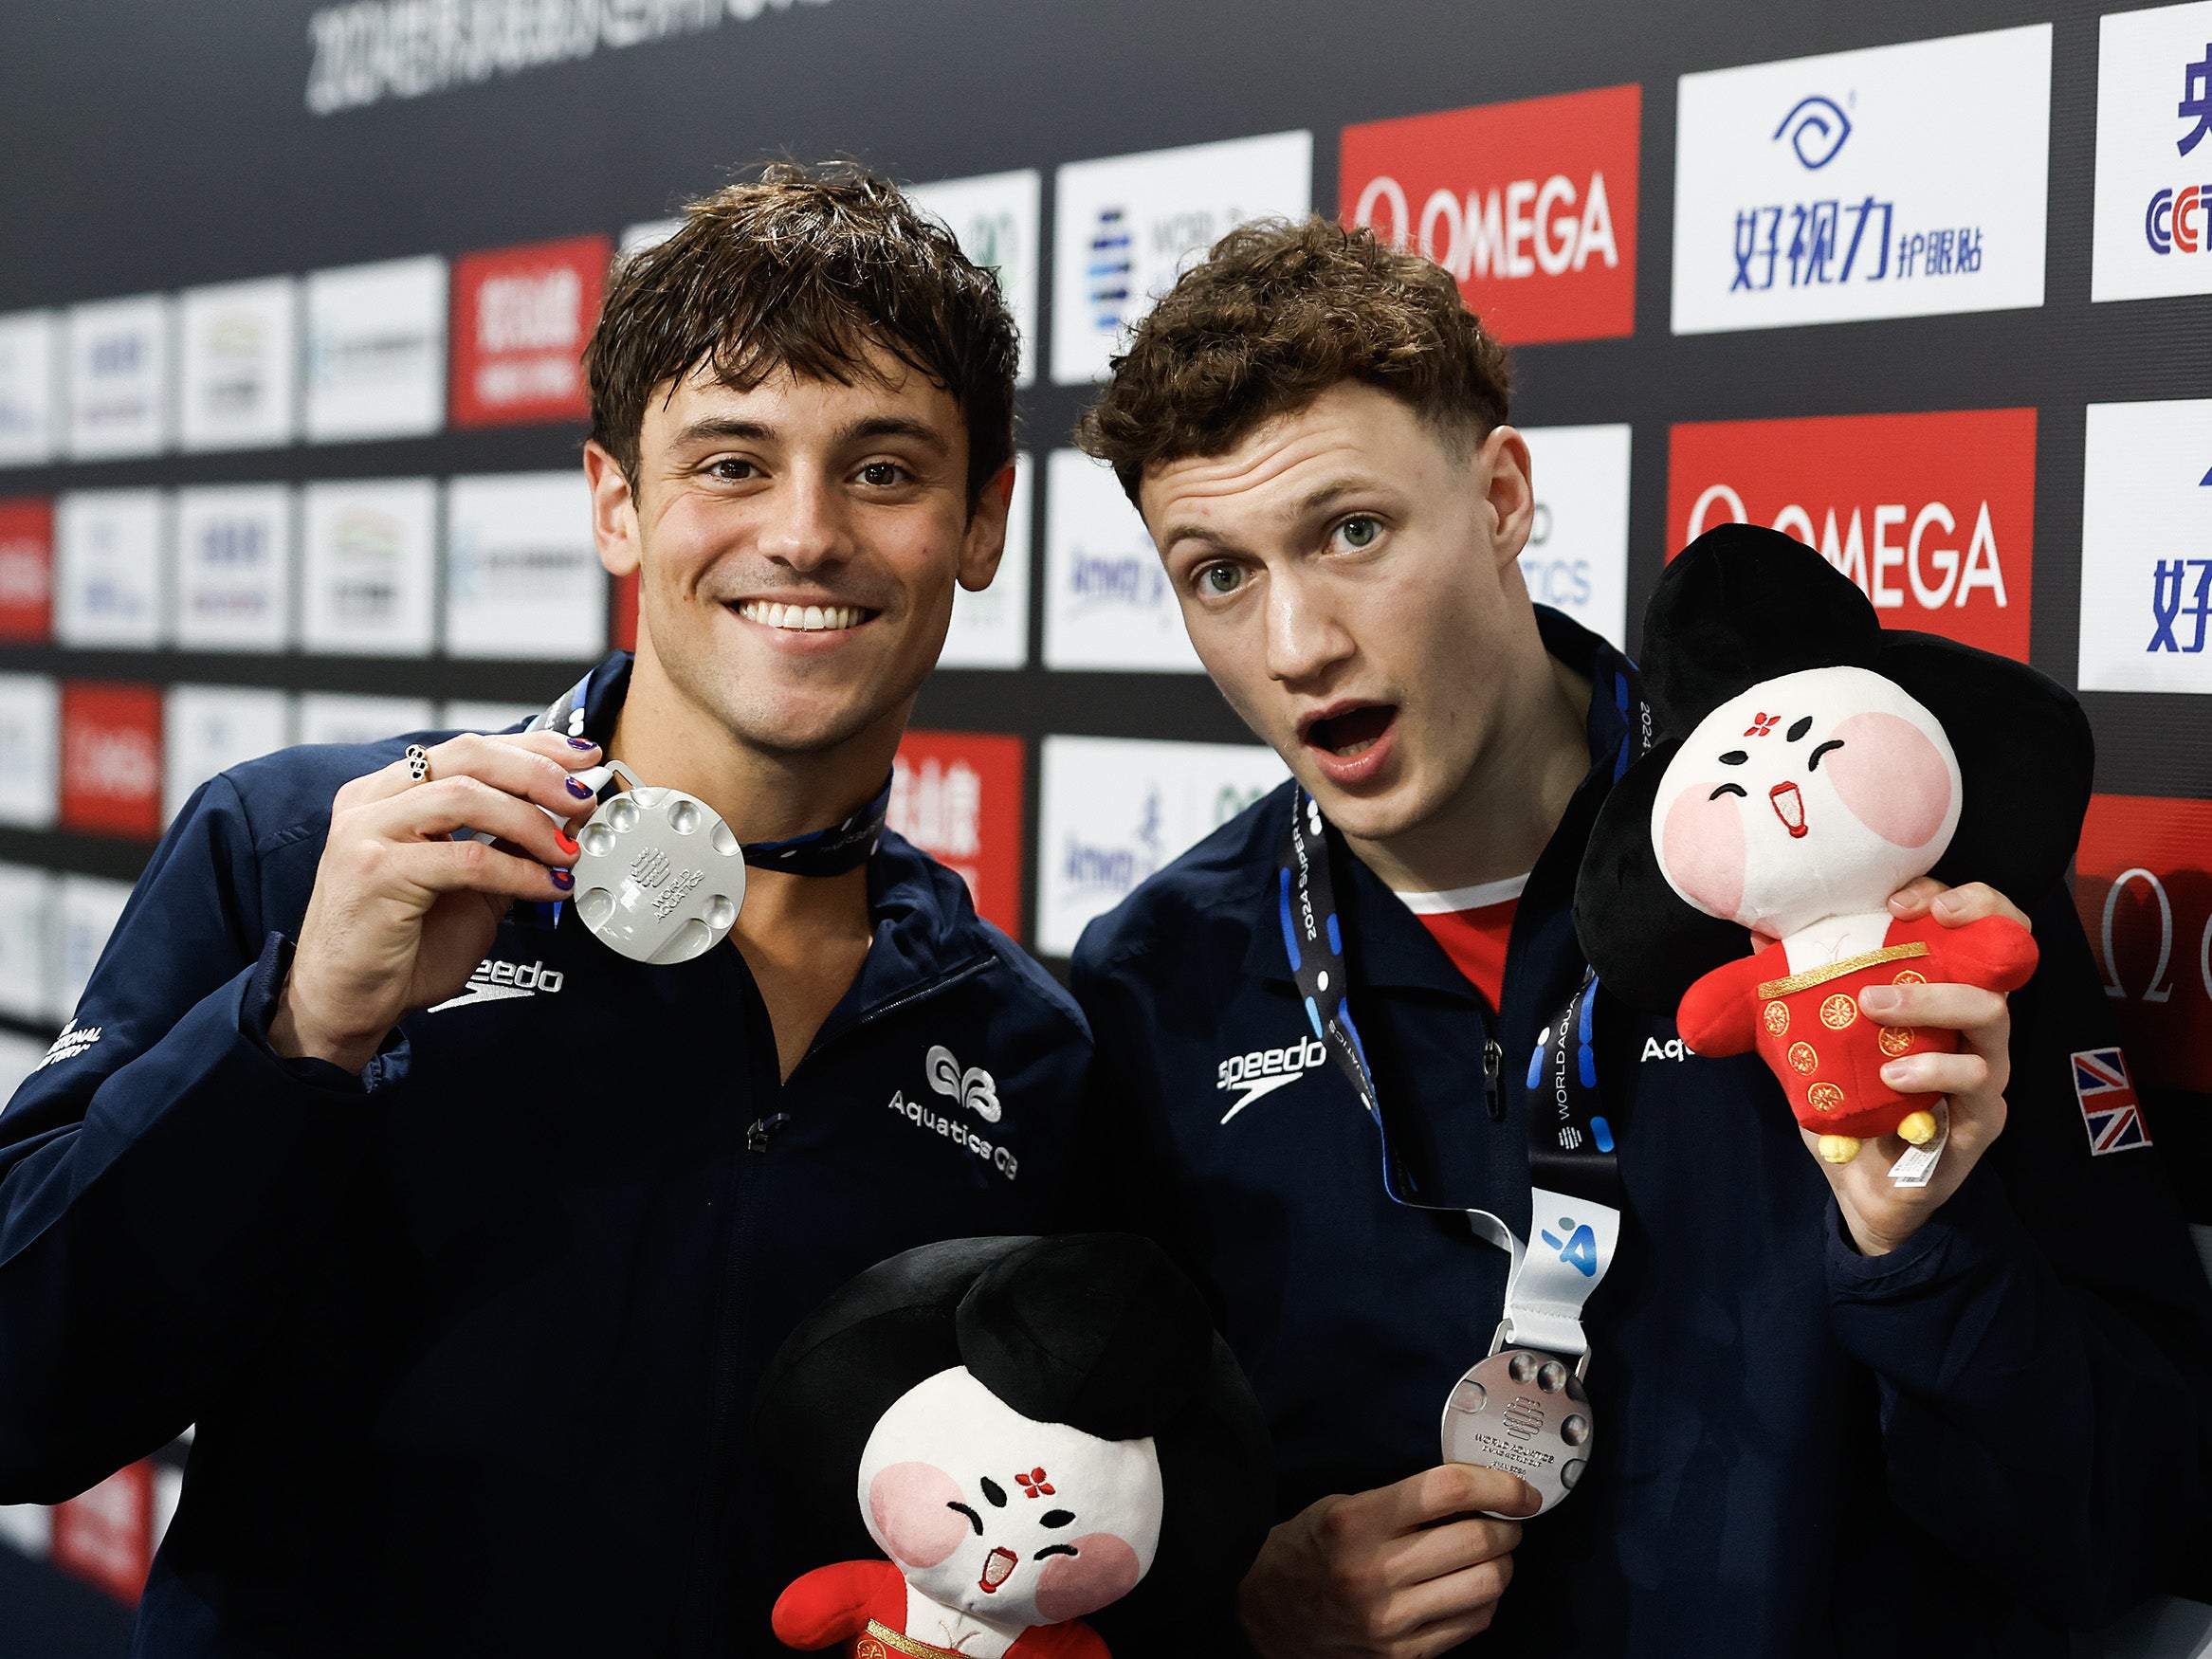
1524,1412
660,877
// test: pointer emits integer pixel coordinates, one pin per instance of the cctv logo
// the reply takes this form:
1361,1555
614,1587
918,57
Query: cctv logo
2152,230
1265,1071
1531,206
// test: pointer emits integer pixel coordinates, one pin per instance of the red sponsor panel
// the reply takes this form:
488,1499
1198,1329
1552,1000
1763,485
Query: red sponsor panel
111,759
1933,516
26,570
1531,205
957,796
2143,882
106,1536
521,318
623,614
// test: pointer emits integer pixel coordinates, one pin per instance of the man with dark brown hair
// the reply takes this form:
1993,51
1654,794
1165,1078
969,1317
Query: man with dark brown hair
462,1237
1826,1414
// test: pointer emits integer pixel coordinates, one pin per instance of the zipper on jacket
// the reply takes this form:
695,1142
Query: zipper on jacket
711,1575
1493,1061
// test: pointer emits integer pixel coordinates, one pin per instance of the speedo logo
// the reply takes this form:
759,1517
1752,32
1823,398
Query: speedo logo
495,981
1265,1071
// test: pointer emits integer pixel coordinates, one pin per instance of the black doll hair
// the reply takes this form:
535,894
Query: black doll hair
1742,605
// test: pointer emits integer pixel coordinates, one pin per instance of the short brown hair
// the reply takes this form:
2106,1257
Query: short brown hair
804,268
1276,315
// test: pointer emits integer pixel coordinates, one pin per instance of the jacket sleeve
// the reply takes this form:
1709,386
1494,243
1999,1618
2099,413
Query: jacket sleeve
2043,1345
161,1175
1715,1017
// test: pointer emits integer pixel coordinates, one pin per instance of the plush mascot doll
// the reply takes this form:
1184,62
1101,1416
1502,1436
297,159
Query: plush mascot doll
1029,1427
1810,763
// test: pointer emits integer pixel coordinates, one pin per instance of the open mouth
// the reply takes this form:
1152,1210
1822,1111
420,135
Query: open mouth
1353,732
804,618
996,1565
1789,806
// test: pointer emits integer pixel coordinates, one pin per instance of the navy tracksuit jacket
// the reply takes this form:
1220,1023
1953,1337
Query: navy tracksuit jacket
1953,1450
471,1349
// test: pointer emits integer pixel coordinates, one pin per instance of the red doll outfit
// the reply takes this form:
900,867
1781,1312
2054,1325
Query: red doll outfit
863,1603
1808,1027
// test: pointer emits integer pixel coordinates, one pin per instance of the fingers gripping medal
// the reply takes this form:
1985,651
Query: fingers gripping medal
660,877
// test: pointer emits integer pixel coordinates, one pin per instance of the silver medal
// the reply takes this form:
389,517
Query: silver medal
1522,1411
660,877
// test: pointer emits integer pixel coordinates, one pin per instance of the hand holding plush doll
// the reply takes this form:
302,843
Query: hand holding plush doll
1812,765
1026,1428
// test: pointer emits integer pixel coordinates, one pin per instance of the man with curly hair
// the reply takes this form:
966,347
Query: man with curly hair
462,1238
1831,1415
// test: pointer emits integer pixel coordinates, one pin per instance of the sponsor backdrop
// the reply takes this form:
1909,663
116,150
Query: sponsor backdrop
289,403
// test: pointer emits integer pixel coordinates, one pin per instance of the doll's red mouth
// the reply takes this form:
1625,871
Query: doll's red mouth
1789,806
995,1567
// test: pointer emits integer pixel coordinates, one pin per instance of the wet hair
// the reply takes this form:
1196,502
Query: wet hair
811,270
1277,314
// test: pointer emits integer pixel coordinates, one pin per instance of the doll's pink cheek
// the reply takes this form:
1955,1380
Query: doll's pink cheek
1891,778
1702,840
907,1502
1102,1570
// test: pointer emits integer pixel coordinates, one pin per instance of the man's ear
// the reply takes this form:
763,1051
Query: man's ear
984,543
1510,490
613,512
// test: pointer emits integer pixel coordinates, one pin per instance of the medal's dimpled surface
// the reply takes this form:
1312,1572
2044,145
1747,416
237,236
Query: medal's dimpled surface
1523,1413
660,877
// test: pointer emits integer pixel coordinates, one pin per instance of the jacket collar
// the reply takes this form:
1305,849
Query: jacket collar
1391,948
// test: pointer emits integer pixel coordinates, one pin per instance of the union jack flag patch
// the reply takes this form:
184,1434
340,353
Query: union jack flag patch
2110,1110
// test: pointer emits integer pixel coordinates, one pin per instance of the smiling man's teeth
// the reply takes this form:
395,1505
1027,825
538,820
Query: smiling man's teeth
802,618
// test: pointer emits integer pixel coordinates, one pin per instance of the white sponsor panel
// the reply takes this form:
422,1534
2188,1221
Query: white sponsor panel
1127,225
368,567
650,233
1114,810
1577,557
334,717
238,365
523,575
2154,218
990,630
26,946
86,914
1895,181
30,726
997,219
207,729
30,387
471,715
232,582
2147,547
376,350
1108,603
118,377
108,548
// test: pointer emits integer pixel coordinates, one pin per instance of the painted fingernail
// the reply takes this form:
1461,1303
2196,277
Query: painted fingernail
581,792
566,845
562,880
582,743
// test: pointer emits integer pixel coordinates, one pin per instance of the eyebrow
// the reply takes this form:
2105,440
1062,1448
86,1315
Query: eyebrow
1313,501
709,429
